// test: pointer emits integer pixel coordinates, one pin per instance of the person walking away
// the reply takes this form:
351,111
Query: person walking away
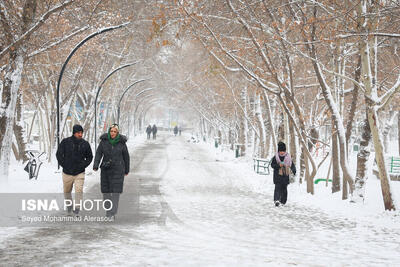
154,130
180,131
175,130
148,131
74,155
282,164
114,156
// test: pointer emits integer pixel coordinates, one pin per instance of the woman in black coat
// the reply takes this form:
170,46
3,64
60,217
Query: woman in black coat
114,166
281,163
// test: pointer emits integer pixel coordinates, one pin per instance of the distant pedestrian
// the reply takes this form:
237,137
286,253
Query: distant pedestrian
74,155
154,131
175,130
180,130
148,131
114,166
282,164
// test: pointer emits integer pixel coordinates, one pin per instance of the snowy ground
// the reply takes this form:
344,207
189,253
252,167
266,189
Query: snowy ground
195,207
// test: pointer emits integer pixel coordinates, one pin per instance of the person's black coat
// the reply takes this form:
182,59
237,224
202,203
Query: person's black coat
154,129
112,177
74,155
148,129
281,179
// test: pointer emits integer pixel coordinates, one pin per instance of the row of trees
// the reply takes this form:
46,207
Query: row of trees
37,37
291,68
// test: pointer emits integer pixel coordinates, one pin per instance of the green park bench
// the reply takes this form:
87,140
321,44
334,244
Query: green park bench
261,166
393,164
393,167
321,180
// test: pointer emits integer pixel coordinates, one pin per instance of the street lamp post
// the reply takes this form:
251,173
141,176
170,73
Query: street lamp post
137,106
138,94
65,65
98,93
123,94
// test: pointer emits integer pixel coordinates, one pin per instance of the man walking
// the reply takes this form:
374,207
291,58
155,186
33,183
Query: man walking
148,131
154,130
74,155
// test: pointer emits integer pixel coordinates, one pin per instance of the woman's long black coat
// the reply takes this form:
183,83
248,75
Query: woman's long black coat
281,179
112,178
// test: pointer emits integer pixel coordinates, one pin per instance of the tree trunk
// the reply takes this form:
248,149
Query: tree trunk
328,174
292,143
335,164
287,130
302,167
386,130
270,123
43,132
383,172
354,103
281,128
345,192
310,182
243,138
48,128
231,138
31,126
362,159
313,140
261,127
398,130
252,134
7,110
370,94
19,132
268,137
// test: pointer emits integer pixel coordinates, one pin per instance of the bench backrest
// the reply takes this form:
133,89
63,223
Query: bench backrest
394,164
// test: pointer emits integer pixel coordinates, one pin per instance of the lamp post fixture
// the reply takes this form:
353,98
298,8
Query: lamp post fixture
123,94
146,105
138,94
139,103
98,93
65,65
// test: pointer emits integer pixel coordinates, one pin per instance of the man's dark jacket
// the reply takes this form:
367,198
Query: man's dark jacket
74,155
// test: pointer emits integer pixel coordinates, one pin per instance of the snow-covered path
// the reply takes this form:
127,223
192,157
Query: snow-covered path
187,209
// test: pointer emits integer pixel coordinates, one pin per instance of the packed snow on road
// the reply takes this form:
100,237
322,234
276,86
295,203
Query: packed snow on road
197,205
